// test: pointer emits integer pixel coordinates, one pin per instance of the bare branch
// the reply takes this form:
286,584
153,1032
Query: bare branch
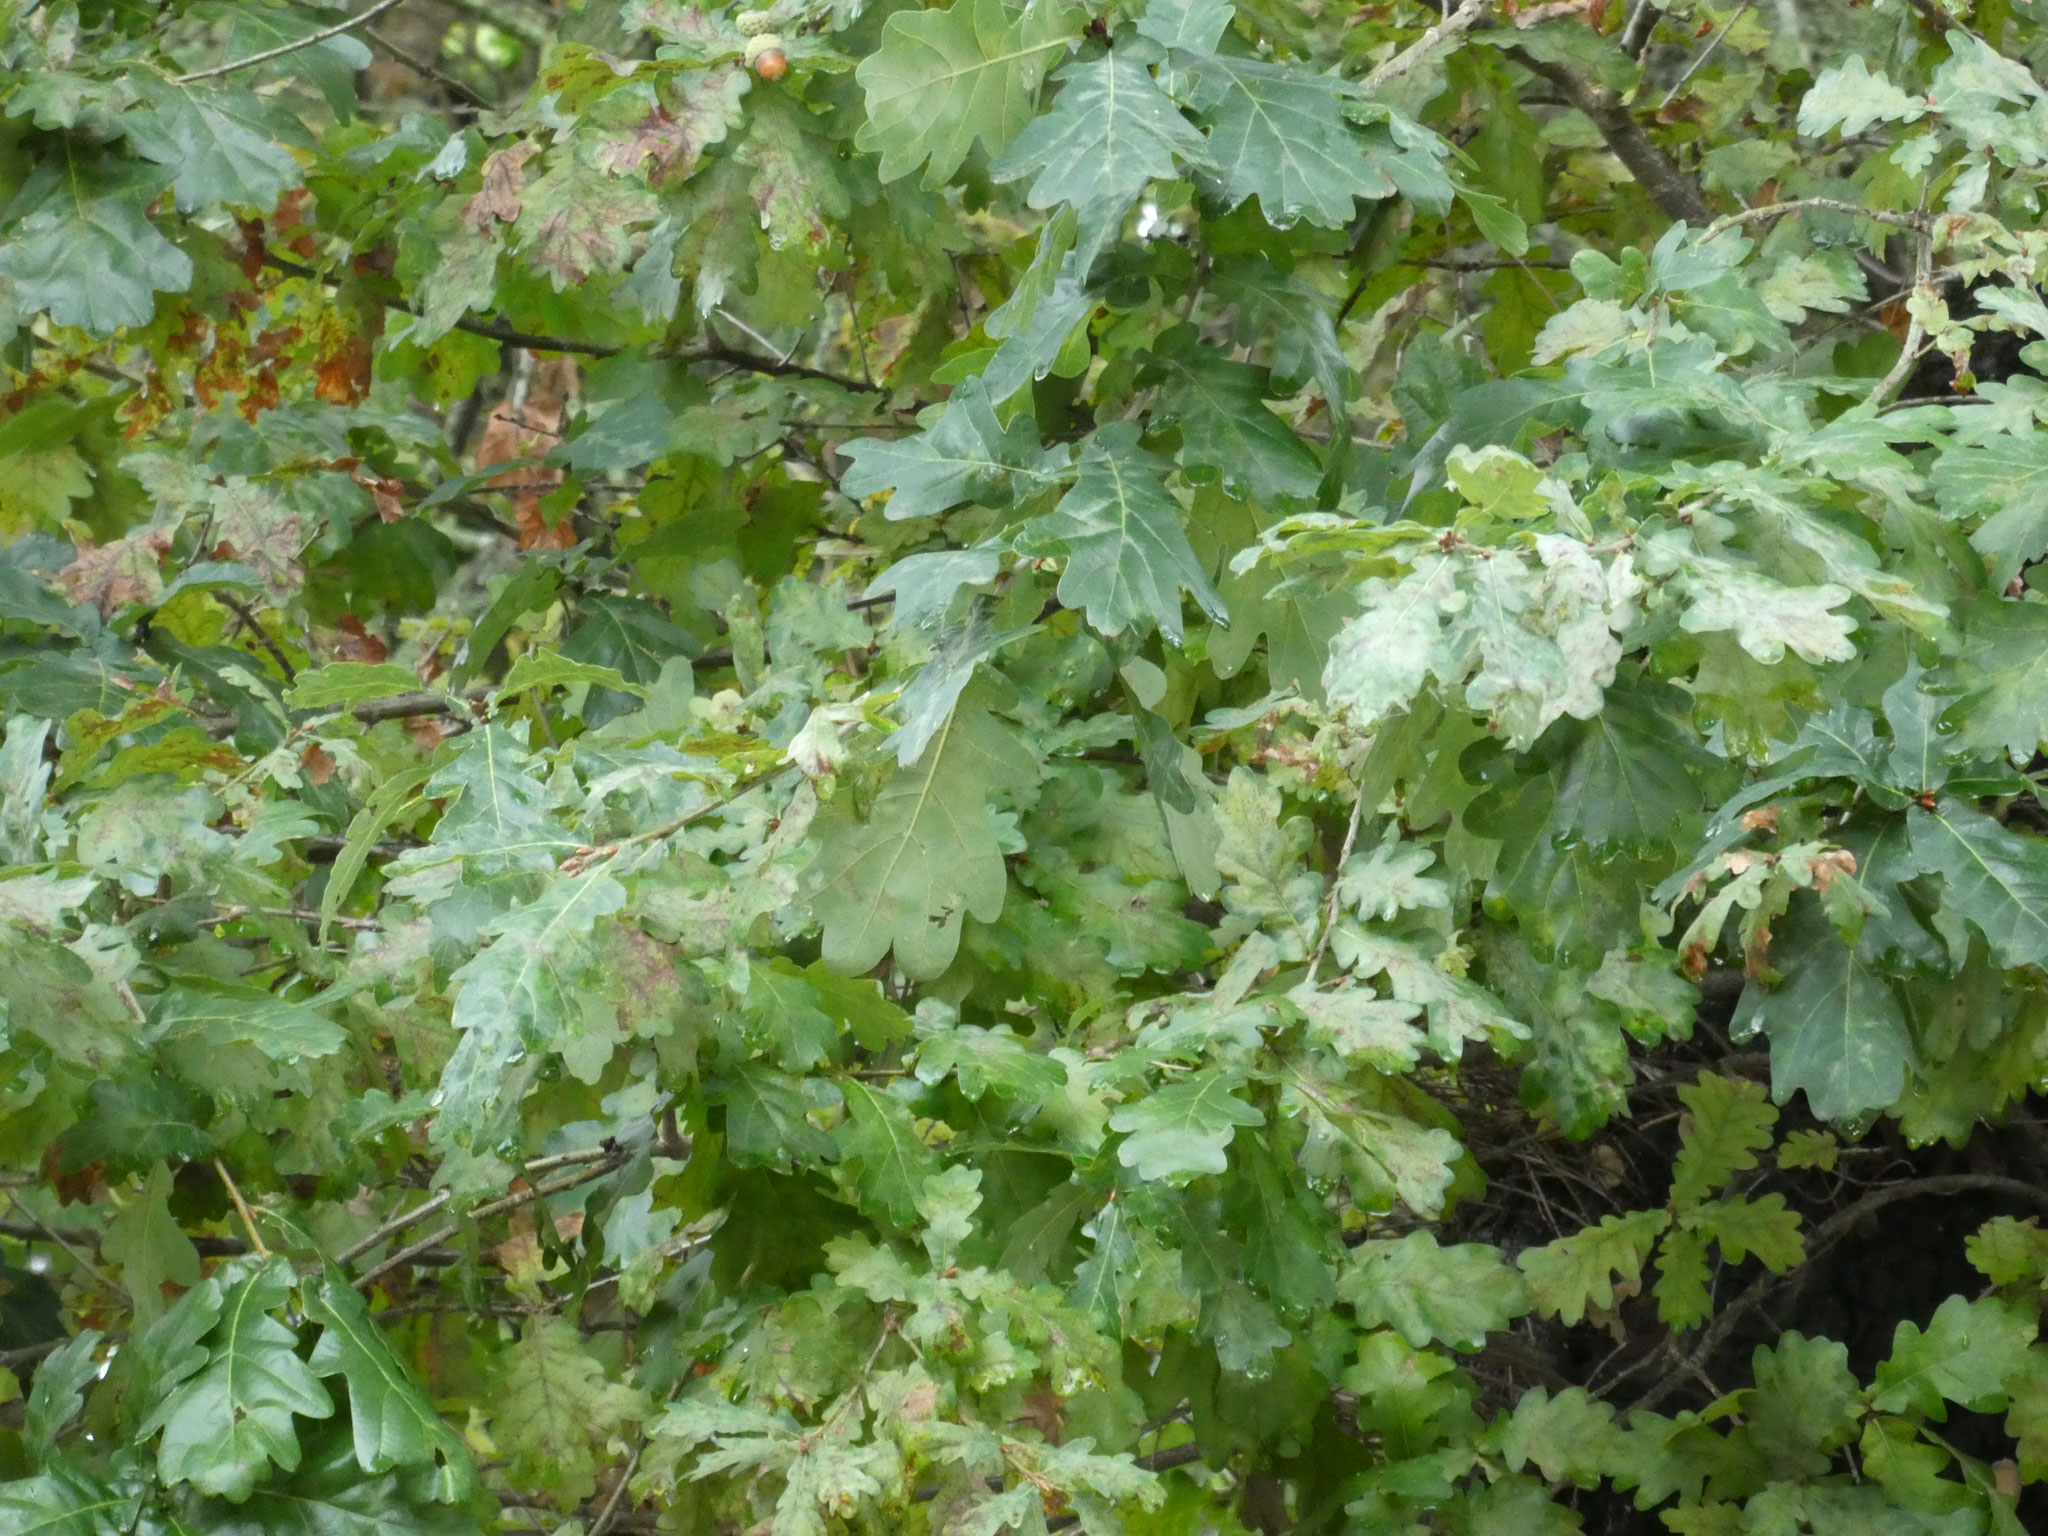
308,41
1463,19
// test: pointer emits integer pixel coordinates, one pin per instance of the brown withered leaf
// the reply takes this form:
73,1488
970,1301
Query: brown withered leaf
318,765
125,571
504,186
356,642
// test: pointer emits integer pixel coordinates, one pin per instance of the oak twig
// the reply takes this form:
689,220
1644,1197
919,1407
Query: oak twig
1461,20
309,40
1826,1236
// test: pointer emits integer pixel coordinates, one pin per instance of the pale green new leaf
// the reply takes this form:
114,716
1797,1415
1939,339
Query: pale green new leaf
943,80
1728,1121
151,1247
528,992
555,1409
1184,1127
1570,1435
214,1018
1742,1226
1970,1349
1569,1275
1430,1294
1851,98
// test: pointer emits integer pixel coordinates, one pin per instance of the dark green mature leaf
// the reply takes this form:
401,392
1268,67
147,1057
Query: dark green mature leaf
1280,135
67,1501
1224,422
226,1425
1997,880
87,256
1121,531
224,144
967,455
393,1422
59,1394
891,1164
1835,1028
1109,132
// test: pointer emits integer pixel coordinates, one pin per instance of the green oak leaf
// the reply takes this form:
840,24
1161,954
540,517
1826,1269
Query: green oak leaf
943,80
1965,1356
967,455
1431,1294
1123,536
1110,131
1995,879
1184,1127
1569,1275
225,1426
1835,1028
926,854
394,1423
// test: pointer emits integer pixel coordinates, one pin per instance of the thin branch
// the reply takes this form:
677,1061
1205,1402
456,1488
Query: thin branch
309,40
1916,333
609,1513
1674,192
405,706
420,1213
492,330
241,611
1642,22
1705,54
241,1208
612,1162
427,71
583,858
1481,263
529,31
1826,1236
28,1354
1800,204
1461,20
105,1280
1315,959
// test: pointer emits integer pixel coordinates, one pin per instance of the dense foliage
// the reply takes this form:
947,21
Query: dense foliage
1162,765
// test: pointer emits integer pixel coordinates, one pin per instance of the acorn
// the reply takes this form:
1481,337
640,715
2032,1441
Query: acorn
765,56
754,23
